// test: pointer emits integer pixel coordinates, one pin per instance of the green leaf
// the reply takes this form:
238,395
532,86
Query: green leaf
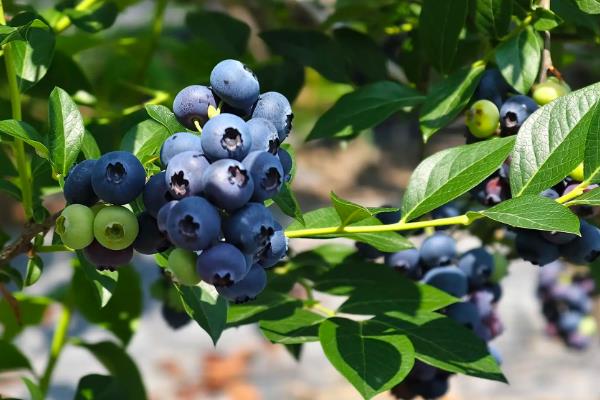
568,10
589,6
300,327
366,60
104,282
357,351
89,147
545,20
449,173
34,390
206,307
364,108
591,163
98,387
226,34
144,140
35,266
94,19
8,274
12,358
268,305
440,24
519,59
288,204
448,98
27,133
66,130
283,76
533,212
165,117
121,367
350,212
443,343
10,188
328,217
311,48
33,56
551,142
32,311
121,313
591,198
492,17
11,33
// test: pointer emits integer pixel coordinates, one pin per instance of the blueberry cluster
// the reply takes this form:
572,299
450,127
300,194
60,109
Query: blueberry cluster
567,304
206,208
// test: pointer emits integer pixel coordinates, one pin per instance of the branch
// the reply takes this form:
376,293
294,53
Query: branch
12,302
546,64
23,244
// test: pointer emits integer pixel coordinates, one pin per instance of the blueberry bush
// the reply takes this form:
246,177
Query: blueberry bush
174,143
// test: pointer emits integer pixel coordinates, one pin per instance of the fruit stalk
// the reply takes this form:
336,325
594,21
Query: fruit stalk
546,63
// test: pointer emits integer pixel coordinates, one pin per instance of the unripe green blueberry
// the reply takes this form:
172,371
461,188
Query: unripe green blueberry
548,91
182,263
577,173
115,227
483,119
75,225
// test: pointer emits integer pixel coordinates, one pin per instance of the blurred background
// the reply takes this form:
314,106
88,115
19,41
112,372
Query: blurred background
156,48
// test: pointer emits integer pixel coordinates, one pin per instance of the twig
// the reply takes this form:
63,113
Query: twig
12,302
23,243
546,64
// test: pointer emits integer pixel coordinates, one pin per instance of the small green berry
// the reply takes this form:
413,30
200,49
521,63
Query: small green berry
75,225
115,227
483,119
549,91
577,173
182,263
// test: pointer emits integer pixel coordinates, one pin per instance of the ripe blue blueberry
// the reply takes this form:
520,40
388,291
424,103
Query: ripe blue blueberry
156,194
78,185
149,239
267,174
432,389
222,265
235,84
492,87
191,104
193,224
178,143
227,184
569,321
248,288
250,228
276,108
264,135
438,249
450,279
478,266
275,249
406,262
104,258
533,248
515,111
226,136
184,174
286,163
118,177
466,314
163,216
583,249
175,318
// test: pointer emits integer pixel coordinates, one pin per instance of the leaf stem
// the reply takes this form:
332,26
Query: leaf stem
17,144
52,248
58,342
576,192
64,22
308,288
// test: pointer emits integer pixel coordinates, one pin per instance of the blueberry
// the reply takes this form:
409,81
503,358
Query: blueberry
465,314
438,249
405,261
248,288
78,185
446,211
75,225
226,136
533,248
182,263
264,135
583,249
104,258
431,389
550,193
163,216
276,108
149,239
178,143
497,189
235,84
118,177
422,371
478,266
176,319
389,217
250,228
156,193
115,227
483,119
450,279
569,321
222,265
484,301
267,174
515,111
275,249
367,251
227,184
286,163
191,104
184,174
558,238
493,87
193,224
